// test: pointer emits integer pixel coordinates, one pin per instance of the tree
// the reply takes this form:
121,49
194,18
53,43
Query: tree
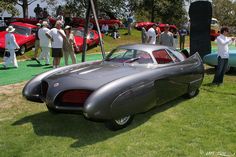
225,11
9,7
166,11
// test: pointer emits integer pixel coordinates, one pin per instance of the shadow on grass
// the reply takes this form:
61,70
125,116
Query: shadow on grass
8,68
34,65
84,131
210,70
213,90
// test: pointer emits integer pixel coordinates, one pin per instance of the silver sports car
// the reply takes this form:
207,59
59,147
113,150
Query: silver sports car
130,80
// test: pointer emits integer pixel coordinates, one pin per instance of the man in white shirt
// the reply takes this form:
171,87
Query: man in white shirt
167,37
56,35
152,34
11,45
45,43
223,55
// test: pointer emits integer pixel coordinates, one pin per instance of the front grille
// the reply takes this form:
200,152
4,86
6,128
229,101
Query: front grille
73,98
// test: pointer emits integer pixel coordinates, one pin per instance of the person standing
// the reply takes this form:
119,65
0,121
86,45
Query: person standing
11,45
158,34
182,34
130,21
144,35
166,37
175,36
68,46
56,35
152,34
223,55
38,10
36,44
45,43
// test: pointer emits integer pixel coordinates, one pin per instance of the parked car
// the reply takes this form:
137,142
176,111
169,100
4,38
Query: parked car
24,34
211,59
103,18
31,20
92,38
131,79
147,25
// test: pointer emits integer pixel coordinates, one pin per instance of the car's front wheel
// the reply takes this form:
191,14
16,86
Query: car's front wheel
120,123
22,50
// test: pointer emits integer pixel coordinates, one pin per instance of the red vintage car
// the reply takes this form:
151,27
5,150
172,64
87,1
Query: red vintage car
148,25
24,34
111,22
32,21
92,39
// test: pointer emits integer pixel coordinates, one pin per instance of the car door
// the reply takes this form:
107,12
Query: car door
168,84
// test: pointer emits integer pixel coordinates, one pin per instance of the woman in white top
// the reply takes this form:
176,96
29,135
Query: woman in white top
11,46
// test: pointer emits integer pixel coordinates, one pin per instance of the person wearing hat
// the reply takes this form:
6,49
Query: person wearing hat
69,45
36,44
56,35
11,45
152,34
167,37
44,43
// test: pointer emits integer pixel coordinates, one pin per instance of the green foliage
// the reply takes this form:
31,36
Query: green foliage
8,6
225,12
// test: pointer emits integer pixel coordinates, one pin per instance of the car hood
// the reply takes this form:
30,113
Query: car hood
94,75
79,40
19,38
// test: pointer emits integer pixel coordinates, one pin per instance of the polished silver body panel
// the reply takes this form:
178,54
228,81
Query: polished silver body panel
118,89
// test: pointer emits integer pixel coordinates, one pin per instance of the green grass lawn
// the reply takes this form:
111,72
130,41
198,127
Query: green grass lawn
204,126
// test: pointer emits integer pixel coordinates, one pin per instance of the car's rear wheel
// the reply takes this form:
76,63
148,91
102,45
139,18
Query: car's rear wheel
120,123
52,110
192,93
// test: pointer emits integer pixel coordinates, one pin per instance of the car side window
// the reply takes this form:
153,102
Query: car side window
162,57
173,56
144,57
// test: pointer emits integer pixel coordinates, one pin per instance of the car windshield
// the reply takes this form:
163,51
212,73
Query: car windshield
22,30
80,33
129,56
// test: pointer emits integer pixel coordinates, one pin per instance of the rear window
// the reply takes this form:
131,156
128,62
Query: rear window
162,57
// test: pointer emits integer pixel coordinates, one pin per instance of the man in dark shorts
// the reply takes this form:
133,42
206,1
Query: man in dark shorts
56,35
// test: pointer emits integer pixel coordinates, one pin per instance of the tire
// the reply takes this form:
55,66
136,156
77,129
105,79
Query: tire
52,110
192,93
22,49
120,123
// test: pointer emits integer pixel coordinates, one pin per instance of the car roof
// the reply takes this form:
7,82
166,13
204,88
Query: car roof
143,47
24,24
